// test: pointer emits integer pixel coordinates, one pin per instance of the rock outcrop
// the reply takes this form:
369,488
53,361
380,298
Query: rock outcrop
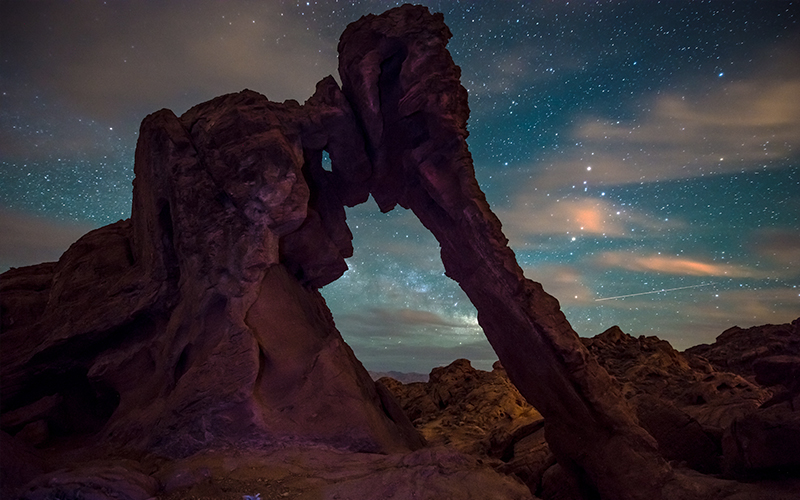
197,322
681,400
480,413
764,441
737,349
476,412
650,366
703,419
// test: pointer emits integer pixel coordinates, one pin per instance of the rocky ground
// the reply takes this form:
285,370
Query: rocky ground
294,472
708,408
484,440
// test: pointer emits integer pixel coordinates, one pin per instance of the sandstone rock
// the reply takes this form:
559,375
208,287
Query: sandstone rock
679,436
324,473
648,365
404,90
765,442
41,409
187,325
92,482
480,413
198,322
31,288
20,463
473,411
531,459
778,370
560,484
737,349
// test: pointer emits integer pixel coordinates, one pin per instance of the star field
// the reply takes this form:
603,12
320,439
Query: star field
638,148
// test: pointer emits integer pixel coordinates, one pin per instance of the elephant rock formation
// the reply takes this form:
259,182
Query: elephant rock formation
198,321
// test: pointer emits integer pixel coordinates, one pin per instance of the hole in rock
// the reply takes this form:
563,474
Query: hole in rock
183,363
394,306
85,406
327,165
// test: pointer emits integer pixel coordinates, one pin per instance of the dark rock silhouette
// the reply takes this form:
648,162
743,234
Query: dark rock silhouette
764,441
738,349
405,90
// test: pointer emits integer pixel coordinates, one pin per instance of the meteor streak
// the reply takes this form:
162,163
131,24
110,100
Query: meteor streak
653,291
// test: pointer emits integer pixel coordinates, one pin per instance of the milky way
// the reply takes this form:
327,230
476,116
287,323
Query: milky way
627,147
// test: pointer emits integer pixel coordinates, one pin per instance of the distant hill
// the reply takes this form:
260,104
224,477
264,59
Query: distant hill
405,378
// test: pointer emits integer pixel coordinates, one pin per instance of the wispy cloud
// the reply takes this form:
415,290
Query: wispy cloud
683,266
415,317
118,62
533,213
781,247
392,323
720,127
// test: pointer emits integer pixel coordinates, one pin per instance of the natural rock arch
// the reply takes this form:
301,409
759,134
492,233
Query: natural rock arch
200,315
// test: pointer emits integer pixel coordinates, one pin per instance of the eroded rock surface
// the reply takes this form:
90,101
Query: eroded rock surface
764,441
195,323
702,419
480,413
473,411
296,472
737,349
650,366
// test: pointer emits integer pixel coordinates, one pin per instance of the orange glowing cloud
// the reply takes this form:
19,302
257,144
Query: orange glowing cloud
532,215
673,265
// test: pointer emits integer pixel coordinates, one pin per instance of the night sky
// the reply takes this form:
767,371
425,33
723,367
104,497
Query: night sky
643,156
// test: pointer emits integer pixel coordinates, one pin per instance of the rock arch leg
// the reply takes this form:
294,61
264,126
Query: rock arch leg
415,131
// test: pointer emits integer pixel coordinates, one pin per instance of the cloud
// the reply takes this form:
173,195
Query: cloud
779,246
29,240
414,317
719,127
117,62
533,213
673,265
387,324
566,283
403,339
